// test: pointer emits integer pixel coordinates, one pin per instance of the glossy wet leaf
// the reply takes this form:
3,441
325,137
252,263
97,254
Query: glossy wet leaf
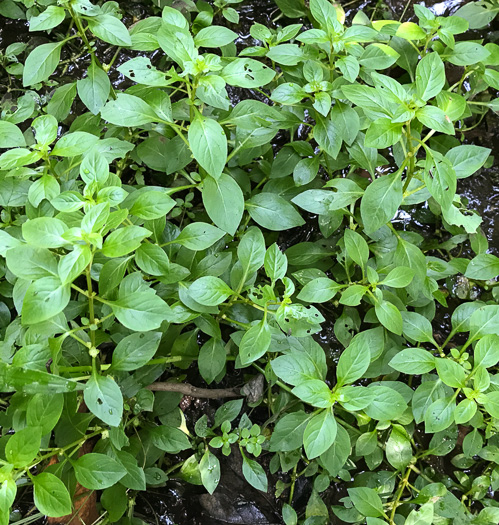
255,343
135,350
51,495
104,399
224,202
319,434
254,474
98,471
208,144
273,212
41,63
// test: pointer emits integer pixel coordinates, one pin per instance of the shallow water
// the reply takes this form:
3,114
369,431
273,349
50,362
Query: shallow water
235,502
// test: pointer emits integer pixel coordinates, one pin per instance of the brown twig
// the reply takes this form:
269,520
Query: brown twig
193,391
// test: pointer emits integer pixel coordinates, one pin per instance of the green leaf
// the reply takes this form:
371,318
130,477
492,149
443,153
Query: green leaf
44,232
286,54
320,433
199,236
94,168
115,500
353,362
467,159
273,212
209,467
451,373
152,259
417,327
251,252
464,411
247,73
356,247
352,296
28,262
224,202
327,136
366,501
467,53
487,351
386,405
51,496
288,432
320,290
398,448
44,411
211,360
399,277
140,70
123,241
208,144
151,205
109,29
209,291
423,516
413,361
61,102
135,350
22,448
484,266
74,263
410,31
98,471
349,67
51,17
296,368
135,478
380,201
129,111
323,12
289,515
94,88
41,63
214,36
491,403
104,399
430,76
472,443
10,135
275,263
382,133
46,187
320,202
141,311
288,94
169,439
8,491
389,316
254,474
439,415
44,299
73,144
305,171
314,392
112,274
255,343
434,118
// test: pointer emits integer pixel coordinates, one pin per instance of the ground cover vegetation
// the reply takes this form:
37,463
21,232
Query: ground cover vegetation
145,240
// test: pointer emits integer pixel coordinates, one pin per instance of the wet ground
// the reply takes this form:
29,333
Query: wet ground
235,502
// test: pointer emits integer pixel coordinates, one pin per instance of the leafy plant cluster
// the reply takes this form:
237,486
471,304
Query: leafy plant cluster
145,234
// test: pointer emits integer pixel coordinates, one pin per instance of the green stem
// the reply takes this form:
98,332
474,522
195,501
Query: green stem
91,313
402,486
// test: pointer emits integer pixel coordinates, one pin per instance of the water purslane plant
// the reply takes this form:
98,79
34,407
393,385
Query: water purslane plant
164,231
